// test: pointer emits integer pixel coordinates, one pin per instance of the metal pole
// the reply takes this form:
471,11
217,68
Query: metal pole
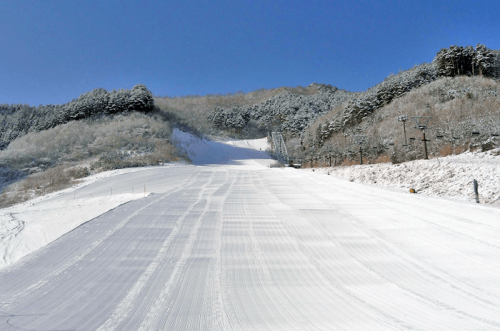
425,146
476,193
404,129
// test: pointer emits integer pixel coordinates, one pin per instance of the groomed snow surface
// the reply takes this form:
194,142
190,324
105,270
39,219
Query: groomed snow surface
230,244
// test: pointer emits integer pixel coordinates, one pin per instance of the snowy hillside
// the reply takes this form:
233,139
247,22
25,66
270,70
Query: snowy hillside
449,176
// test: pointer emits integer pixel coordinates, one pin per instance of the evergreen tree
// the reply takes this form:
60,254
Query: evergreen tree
483,59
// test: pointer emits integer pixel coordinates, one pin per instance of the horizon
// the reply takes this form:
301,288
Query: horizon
56,51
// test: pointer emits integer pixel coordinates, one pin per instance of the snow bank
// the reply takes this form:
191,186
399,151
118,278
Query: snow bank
449,176
28,226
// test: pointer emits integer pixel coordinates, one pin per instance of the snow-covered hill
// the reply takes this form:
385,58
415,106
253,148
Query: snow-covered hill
449,176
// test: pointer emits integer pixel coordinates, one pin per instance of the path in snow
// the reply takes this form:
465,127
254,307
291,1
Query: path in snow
29,226
245,247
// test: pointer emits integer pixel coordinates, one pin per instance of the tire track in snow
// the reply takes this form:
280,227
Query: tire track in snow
11,228
216,312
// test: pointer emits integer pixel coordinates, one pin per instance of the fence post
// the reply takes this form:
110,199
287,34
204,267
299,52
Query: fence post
476,193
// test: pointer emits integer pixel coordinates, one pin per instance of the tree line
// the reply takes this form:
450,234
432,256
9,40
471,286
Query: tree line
294,113
19,119
459,60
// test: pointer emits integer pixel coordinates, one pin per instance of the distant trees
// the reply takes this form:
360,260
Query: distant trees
285,111
234,118
17,120
458,60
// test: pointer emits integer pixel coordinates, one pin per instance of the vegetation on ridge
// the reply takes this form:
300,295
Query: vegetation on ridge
52,159
457,106
47,148
17,120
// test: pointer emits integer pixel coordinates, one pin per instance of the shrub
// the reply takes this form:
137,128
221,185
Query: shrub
53,159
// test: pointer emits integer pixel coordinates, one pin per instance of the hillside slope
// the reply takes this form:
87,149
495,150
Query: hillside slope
448,177
18,120
457,106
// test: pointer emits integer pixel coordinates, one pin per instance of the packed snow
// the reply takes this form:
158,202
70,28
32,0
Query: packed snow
451,176
31,225
229,243
27,226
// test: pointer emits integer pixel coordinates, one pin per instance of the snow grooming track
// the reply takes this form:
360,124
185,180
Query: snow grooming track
218,316
239,246
69,264
126,306
157,317
446,283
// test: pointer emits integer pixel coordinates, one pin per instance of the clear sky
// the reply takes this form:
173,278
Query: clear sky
53,51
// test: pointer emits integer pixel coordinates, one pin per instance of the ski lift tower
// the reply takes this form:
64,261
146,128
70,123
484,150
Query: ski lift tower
279,147
422,122
359,139
404,118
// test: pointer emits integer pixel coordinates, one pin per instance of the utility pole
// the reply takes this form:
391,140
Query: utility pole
404,118
422,122
359,140
425,145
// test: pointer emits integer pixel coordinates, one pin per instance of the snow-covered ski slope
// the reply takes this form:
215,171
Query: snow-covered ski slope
240,246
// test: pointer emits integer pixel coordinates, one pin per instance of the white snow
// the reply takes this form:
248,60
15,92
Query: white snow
202,151
231,244
28,226
449,176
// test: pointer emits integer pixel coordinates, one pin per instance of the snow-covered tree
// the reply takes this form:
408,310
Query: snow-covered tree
17,120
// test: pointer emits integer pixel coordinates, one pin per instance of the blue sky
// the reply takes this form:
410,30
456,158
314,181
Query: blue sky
54,51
